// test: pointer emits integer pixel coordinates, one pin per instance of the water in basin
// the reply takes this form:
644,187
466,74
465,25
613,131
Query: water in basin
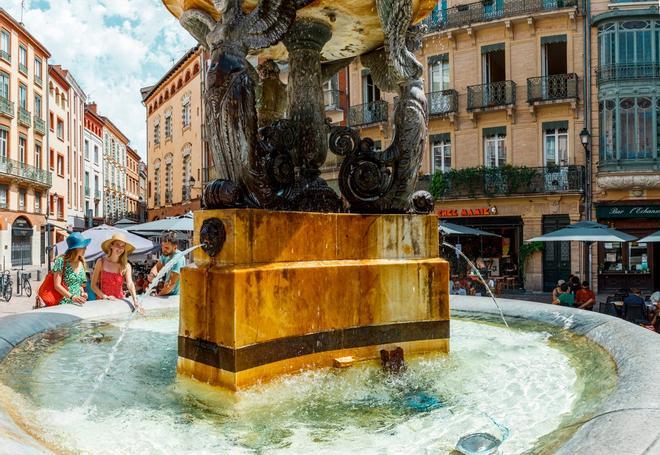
528,382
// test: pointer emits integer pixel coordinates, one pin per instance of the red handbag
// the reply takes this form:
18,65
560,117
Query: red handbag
48,295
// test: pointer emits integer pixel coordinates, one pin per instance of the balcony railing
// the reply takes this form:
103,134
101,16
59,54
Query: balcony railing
39,125
442,102
502,93
22,68
6,107
628,71
24,117
25,171
334,100
508,180
366,114
97,194
488,10
5,56
552,88
38,81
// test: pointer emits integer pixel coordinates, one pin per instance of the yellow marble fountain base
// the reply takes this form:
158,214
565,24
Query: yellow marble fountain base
293,290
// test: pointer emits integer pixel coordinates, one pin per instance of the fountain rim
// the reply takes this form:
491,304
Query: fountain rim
613,429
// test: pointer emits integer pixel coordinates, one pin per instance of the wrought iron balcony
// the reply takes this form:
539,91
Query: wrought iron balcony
24,117
22,68
442,102
334,100
6,107
628,71
5,56
507,180
25,171
366,114
39,125
495,94
552,88
488,10
38,80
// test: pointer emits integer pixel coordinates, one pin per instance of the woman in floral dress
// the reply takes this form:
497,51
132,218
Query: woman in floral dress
70,271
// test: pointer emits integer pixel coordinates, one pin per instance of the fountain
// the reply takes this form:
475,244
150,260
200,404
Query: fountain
293,275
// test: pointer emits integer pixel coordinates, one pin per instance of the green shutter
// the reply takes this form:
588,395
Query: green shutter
442,137
492,48
498,130
553,39
438,58
555,125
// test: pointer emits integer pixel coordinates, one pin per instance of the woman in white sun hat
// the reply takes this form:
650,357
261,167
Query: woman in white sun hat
113,270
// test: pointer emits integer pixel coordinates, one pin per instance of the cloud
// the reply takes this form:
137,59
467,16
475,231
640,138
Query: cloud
112,47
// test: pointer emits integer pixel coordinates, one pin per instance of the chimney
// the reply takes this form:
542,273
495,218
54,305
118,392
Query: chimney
92,107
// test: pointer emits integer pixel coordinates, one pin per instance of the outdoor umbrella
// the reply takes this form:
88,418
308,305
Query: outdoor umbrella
456,229
179,224
655,237
123,223
103,232
585,231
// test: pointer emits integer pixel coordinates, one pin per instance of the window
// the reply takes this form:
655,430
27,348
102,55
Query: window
627,127
60,129
495,147
60,165
86,149
37,202
4,144
4,85
22,196
96,154
157,132
22,59
168,126
37,70
22,144
86,183
555,143
441,152
51,121
4,196
60,207
186,113
37,155
439,73
22,96
370,92
638,257
5,48
37,106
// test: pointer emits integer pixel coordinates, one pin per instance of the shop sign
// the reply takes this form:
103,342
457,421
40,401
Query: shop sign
480,211
628,211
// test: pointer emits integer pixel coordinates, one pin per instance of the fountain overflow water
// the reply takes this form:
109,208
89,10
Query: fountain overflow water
476,270
113,352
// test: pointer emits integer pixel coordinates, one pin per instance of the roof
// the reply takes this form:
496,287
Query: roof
108,124
22,28
148,91
56,72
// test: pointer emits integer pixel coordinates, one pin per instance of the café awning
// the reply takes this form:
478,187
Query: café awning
457,229
585,231
655,237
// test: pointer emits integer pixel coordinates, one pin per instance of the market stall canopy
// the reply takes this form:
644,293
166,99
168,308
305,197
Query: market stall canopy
457,229
585,231
356,28
655,237
178,224
101,233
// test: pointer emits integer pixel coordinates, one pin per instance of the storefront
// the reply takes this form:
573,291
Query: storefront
630,264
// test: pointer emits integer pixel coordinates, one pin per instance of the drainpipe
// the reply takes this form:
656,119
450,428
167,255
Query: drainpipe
586,5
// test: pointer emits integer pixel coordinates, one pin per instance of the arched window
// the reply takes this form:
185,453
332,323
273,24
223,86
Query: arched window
21,239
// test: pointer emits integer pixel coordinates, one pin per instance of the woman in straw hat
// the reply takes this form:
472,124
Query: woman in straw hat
69,271
112,270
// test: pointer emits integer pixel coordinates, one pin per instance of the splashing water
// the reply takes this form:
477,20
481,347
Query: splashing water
113,352
481,278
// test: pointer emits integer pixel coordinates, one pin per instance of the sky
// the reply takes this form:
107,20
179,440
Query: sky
112,48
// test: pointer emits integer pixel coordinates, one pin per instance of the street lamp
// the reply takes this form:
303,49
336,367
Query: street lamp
585,138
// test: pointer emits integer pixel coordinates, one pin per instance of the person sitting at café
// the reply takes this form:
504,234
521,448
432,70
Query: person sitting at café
633,299
565,297
574,284
585,297
556,290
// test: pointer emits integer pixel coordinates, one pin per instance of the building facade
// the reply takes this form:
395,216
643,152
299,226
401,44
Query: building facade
503,151
132,184
24,174
144,176
114,163
58,148
93,163
176,150
625,38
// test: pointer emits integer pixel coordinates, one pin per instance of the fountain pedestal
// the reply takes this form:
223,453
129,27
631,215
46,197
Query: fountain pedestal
292,290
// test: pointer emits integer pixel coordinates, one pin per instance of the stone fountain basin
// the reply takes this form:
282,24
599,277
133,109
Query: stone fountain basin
355,24
628,421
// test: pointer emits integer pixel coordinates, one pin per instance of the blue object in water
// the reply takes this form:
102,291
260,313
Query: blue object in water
421,401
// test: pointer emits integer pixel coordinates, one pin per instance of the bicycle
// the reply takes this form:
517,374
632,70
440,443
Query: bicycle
6,285
24,284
